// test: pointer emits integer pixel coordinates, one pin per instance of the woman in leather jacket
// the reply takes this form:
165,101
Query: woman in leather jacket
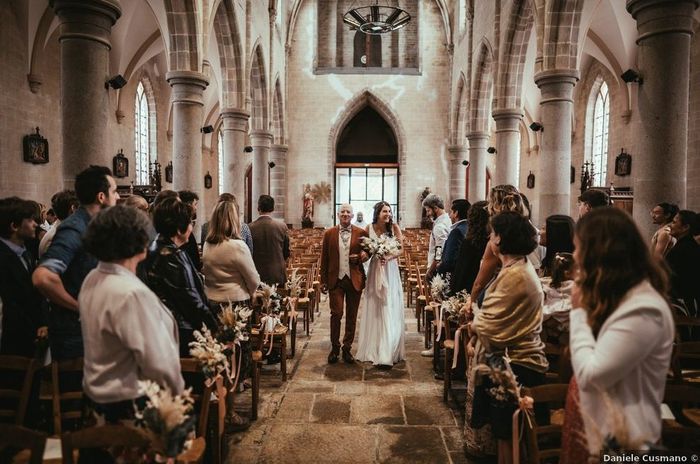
170,273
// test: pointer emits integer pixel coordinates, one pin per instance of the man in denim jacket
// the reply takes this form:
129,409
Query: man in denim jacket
65,264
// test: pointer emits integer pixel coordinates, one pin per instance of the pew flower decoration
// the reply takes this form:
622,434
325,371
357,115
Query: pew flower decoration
293,284
271,305
234,327
211,354
439,287
383,247
454,304
167,419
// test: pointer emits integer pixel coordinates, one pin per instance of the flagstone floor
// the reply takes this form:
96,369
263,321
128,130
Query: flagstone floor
345,413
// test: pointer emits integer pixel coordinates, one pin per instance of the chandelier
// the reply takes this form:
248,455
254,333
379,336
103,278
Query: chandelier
376,19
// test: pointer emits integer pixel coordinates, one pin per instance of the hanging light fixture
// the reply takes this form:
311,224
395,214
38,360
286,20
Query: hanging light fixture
376,19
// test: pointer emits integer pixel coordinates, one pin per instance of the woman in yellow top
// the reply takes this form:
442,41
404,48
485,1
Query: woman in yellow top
510,319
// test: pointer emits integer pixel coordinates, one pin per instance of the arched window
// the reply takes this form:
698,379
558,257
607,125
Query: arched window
141,136
601,124
221,161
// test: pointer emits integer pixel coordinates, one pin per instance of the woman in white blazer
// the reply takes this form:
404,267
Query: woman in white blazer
621,330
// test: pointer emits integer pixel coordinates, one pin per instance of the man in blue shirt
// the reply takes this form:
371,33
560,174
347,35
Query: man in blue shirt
65,264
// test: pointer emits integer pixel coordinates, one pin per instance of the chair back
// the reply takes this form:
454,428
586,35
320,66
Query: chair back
544,440
67,392
194,378
102,436
22,438
16,376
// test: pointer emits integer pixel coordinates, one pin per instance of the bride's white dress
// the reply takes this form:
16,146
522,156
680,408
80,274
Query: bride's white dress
382,321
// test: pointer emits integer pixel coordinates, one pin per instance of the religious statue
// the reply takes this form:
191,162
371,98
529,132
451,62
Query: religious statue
307,216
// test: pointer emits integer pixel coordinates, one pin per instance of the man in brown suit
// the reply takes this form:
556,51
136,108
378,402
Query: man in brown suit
343,275
270,244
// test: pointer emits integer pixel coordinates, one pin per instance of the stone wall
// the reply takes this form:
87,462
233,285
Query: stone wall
420,105
693,199
23,110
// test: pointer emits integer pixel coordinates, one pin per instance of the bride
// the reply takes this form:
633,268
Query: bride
382,323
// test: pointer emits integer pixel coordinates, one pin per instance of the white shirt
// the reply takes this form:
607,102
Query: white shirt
129,335
625,368
441,229
48,238
344,253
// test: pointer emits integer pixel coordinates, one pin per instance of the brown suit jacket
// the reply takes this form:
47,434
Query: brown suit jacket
330,258
270,249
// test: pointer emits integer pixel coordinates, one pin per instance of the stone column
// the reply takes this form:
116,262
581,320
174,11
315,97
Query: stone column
187,98
507,145
557,87
261,141
659,169
84,36
458,172
477,166
278,178
234,127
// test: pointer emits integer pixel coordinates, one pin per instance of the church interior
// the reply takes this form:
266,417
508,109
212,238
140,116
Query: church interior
302,102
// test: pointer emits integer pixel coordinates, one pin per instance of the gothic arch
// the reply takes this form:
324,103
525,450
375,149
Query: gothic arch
480,108
508,92
258,91
560,25
228,42
359,101
183,33
459,116
278,119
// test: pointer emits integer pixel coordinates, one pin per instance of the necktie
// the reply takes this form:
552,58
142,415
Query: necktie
28,260
345,235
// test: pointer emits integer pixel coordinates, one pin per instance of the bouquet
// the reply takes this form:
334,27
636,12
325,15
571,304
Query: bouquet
167,419
383,247
211,354
439,288
454,304
234,327
293,284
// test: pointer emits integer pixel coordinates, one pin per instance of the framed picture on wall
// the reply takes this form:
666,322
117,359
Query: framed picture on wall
36,148
623,164
169,173
120,165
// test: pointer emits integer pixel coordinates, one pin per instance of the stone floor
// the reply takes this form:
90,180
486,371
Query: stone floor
344,413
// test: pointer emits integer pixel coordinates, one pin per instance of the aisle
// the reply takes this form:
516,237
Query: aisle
351,413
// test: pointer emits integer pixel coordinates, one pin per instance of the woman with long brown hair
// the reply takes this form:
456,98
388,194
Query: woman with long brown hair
621,330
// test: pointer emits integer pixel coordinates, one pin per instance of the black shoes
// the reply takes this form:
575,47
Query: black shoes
347,357
332,357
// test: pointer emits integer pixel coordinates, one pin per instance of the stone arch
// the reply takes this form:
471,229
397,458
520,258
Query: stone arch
560,31
480,108
278,119
184,50
508,92
459,117
228,42
258,90
359,101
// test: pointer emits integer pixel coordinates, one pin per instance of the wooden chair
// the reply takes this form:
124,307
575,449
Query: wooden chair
278,340
554,395
67,392
16,377
421,298
686,354
450,345
560,370
202,395
20,438
684,402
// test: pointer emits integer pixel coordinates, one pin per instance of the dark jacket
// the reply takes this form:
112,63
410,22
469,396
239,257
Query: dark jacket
24,310
270,249
467,265
684,261
451,248
192,250
169,272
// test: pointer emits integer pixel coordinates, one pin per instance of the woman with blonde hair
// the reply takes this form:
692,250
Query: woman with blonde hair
229,271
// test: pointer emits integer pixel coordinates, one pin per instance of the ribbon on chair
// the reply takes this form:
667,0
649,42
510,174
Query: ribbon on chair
455,353
439,323
525,406
268,324
292,305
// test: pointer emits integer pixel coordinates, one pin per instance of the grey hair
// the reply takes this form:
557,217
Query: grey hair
433,201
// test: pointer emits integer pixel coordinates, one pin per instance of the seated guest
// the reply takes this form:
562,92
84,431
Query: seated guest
472,248
684,260
25,316
190,198
129,334
558,238
170,273
63,205
136,201
622,330
662,241
229,270
458,216
245,230
590,200
510,319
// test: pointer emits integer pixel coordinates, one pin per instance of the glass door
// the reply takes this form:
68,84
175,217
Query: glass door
363,187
